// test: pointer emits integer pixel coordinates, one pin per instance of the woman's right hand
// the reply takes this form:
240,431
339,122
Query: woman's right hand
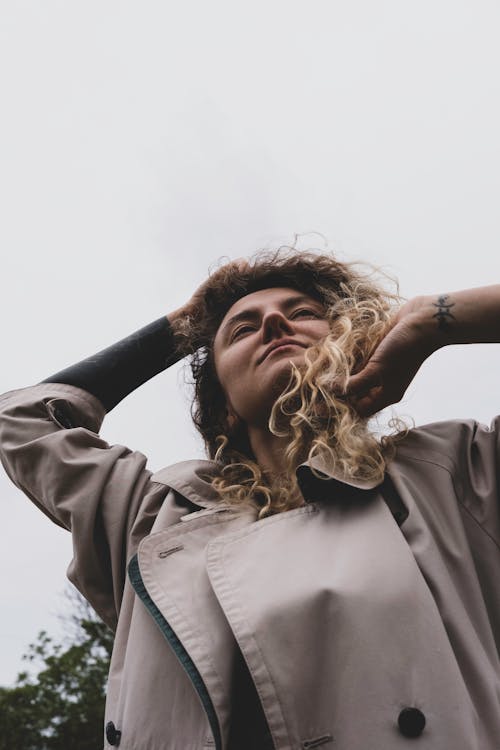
194,305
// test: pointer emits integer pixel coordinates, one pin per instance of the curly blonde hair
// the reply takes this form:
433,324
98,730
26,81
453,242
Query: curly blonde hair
310,414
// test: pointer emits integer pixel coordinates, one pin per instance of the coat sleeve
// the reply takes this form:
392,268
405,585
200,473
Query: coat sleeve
469,496
478,472
470,451
51,450
478,484
116,371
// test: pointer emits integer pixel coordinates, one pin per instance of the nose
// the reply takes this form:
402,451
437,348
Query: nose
274,325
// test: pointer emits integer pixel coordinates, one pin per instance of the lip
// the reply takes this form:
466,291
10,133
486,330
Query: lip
277,345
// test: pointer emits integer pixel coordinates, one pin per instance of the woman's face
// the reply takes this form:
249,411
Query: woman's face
260,335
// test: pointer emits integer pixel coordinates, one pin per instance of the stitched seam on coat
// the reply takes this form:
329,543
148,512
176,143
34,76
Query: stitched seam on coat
72,393
425,461
237,609
485,531
236,606
199,523
461,502
311,507
179,650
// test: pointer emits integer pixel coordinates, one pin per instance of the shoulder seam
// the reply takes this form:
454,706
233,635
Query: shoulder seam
485,531
459,495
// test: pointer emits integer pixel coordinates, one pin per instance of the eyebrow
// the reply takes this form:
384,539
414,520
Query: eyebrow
252,313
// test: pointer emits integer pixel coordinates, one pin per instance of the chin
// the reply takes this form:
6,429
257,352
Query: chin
271,383
281,378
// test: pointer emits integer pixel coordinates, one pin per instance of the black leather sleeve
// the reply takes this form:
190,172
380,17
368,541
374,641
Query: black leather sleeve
116,371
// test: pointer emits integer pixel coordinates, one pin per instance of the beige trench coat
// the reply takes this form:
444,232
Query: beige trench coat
360,615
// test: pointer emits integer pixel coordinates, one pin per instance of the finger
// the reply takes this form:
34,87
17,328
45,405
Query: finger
363,381
355,384
371,403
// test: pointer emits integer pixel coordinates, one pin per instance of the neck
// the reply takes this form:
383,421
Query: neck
269,450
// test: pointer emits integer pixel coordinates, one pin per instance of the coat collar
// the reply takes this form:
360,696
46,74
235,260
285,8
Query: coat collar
331,483
192,480
346,490
322,463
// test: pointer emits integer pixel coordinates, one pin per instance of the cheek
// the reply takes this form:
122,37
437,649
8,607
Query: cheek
218,364
229,372
321,330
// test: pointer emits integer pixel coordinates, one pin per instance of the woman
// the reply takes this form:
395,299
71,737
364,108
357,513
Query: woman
309,584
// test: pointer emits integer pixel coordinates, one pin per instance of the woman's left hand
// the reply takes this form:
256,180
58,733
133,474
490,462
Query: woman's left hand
395,362
419,328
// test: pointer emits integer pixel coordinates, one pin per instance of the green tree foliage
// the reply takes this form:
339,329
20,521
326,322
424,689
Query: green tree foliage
62,705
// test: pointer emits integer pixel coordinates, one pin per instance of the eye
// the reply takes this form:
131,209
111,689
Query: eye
240,330
305,312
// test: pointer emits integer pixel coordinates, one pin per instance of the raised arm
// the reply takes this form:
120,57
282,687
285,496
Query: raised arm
51,449
422,326
114,372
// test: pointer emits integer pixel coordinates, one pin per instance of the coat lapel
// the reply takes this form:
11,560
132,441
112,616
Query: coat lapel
171,569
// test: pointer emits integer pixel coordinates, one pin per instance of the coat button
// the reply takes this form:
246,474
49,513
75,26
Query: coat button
411,722
112,734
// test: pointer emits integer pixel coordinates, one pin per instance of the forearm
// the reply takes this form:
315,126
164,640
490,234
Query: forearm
114,372
469,316
420,327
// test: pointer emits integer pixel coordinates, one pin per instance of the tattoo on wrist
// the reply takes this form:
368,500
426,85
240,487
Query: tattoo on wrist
443,315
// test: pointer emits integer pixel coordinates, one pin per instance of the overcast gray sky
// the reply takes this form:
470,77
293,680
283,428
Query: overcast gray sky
141,142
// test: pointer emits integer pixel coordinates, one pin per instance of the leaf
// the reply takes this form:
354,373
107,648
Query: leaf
62,705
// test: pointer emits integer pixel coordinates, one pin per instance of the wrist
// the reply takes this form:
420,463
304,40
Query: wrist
435,321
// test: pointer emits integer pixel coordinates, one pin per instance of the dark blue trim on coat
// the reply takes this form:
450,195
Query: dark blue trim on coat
134,574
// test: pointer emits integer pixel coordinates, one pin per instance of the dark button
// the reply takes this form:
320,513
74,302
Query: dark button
112,734
411,722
